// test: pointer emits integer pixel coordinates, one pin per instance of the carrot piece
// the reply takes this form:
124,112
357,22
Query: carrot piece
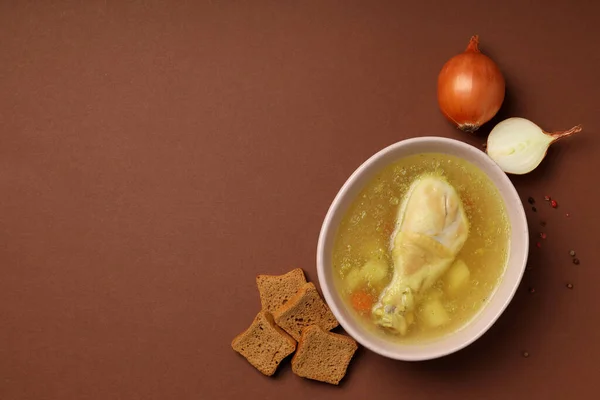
362,300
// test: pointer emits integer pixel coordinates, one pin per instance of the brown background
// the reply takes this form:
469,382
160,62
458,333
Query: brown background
155,157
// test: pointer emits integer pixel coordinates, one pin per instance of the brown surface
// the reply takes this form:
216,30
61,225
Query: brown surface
156,156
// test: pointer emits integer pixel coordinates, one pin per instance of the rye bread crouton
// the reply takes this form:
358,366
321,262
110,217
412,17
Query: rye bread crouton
322,355
276,290
304,309
264,344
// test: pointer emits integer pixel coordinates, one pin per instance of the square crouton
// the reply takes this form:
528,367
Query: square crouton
304,309
322,355
264,344
276,290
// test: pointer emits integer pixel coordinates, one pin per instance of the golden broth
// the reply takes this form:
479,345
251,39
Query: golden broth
365,231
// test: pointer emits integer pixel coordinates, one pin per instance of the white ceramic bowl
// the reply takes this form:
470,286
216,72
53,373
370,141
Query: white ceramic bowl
519,245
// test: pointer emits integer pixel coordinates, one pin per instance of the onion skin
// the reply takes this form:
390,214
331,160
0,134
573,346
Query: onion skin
556,136
470,88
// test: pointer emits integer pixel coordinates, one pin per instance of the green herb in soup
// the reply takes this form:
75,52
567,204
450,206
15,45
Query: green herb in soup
422,247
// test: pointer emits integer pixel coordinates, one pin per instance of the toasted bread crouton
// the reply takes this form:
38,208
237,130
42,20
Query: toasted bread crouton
276,290
304,309
322,355
264,344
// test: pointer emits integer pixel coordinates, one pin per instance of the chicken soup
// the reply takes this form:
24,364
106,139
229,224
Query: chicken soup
422,248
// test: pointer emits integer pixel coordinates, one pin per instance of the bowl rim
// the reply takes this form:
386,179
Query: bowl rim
327,225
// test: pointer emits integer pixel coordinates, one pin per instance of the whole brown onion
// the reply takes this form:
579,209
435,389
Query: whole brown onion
470,88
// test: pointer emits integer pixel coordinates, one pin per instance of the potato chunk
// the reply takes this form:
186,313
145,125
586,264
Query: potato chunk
433,314
353,280
375,272
457,278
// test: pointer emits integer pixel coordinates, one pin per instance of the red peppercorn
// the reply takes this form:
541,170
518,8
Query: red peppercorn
543,235
547,198
554,204
538,244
